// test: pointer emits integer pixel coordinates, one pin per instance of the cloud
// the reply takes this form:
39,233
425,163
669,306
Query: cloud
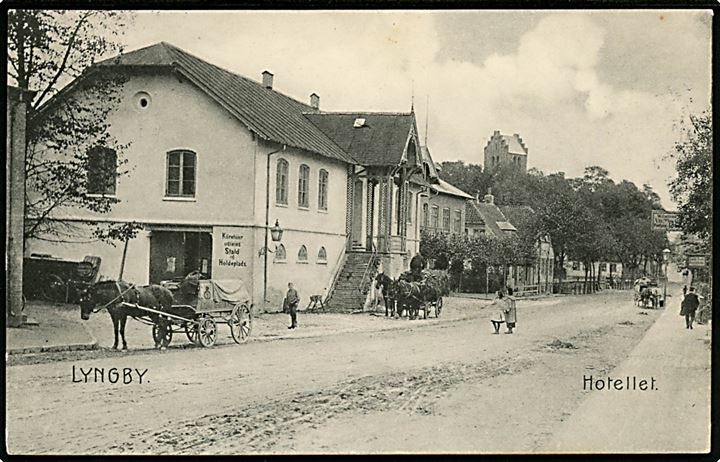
550,83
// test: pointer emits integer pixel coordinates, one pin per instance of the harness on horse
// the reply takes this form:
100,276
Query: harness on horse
120,294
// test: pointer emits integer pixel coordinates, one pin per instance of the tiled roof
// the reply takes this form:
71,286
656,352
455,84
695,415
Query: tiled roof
380,140
488,214
514,146
518,215
268,113
444,187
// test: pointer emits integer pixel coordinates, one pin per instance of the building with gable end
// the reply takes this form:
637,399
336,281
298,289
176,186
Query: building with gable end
505,151
215,159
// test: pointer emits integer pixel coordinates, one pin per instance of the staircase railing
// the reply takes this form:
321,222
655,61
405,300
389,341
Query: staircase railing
370,267
337,269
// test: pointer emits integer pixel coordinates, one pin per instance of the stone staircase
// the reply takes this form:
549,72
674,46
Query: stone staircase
348,295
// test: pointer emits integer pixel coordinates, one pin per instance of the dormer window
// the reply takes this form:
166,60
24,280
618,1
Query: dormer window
359,122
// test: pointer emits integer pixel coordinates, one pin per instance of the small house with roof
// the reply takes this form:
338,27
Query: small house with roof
505,151
215,159
484,218
541,272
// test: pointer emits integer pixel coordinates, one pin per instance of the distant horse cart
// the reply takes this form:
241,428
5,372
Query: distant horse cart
647,294
195,308
56,280
406,295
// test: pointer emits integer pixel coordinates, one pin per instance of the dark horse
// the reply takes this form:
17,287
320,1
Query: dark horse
409,297
386,286
112,294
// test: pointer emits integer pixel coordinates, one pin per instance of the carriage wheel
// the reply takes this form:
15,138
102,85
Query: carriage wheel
54,289
438,307
162,334
240,323
192,333
207,331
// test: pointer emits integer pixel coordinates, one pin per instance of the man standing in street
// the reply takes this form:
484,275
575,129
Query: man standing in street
688,307
292,299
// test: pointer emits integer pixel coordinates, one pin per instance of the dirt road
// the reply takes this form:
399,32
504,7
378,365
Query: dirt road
447,386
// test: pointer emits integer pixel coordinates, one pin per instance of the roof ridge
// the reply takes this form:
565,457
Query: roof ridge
253,81
359,113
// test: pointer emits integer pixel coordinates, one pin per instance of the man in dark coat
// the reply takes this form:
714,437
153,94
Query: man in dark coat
417,264
689,305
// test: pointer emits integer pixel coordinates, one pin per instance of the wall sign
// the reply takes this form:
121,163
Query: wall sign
232,253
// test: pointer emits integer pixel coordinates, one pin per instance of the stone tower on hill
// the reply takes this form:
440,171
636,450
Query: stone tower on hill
505,150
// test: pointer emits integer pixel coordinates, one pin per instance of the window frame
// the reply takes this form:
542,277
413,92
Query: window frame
322,260
426,215
435,217
457,222
104,175
181,171
323,187
281,184
303,193
302,257
409,207
280,254
446,219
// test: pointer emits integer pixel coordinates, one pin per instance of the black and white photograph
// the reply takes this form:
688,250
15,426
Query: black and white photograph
283,232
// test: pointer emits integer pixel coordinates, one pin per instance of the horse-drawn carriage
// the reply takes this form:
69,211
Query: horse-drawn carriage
193,306
412,294
647,294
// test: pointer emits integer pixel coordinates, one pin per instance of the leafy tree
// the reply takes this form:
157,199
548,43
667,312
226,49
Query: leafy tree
692,189
469,177
48,50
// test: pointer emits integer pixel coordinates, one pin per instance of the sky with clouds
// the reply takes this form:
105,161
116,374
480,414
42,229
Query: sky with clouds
581,87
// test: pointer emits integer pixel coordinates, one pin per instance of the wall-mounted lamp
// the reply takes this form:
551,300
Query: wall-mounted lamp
276,233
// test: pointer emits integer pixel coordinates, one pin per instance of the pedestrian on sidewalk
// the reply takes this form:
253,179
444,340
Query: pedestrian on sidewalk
688,307
498,317
510,311
292,299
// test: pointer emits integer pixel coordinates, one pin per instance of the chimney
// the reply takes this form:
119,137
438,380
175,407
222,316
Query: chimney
489,198
477,196
267,80
315,101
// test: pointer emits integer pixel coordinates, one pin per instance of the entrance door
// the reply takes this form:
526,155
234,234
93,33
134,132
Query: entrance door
357,222
174,254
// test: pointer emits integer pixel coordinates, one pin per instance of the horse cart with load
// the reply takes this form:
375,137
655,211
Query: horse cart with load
648,294
192,306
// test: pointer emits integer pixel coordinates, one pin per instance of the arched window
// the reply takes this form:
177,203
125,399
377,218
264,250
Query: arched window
426,215
302,254
281,182
280,254
304,186
102,171
323,190
322,255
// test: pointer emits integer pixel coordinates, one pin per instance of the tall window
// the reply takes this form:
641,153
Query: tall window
446,220
303,186
180,174
323,190
426,215
435,223
457,225
102,171
281,182
409,206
